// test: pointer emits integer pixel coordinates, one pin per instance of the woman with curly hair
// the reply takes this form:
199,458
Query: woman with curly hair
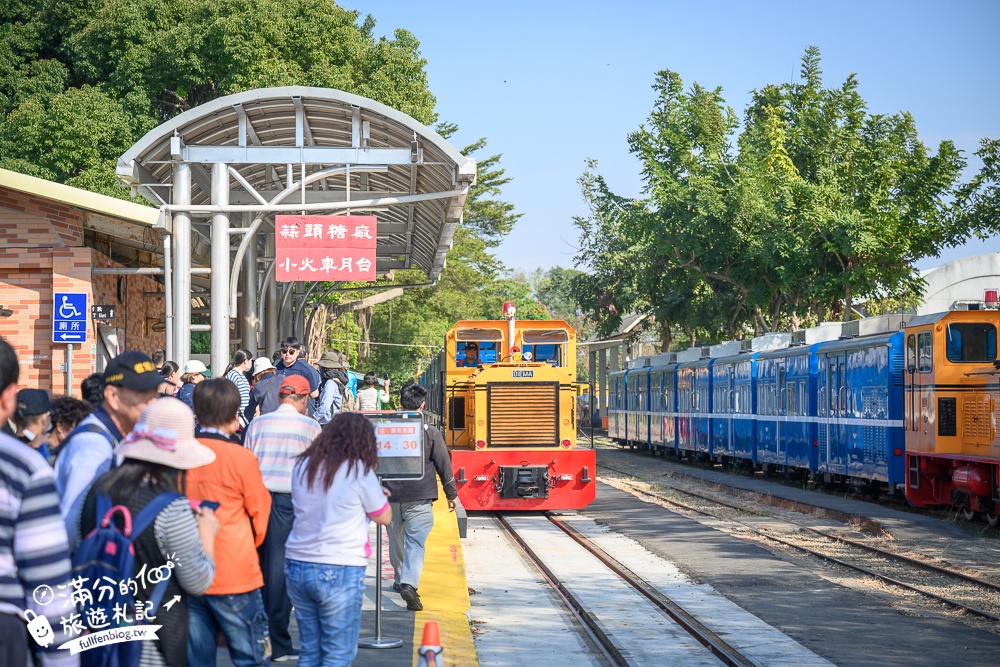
335,494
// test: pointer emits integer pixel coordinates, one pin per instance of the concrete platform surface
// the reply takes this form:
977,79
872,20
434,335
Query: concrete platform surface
443,591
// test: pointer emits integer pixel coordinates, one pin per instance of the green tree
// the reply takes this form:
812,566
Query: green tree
80,82
816,203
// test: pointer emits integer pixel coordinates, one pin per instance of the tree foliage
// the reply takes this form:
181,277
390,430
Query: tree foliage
817,203
82,80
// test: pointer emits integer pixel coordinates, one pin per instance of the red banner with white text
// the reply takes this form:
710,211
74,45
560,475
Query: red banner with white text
325,247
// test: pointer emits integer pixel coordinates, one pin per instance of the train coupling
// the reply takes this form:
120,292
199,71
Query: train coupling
524,482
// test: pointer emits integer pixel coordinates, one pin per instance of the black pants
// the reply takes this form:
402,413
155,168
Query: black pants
13,641
272,563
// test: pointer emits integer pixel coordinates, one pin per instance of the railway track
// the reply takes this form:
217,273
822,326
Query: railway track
597,627
971,594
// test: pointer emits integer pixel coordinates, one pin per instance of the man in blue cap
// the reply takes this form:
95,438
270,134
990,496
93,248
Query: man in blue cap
130,383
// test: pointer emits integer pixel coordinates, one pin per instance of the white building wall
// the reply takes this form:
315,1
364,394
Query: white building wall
963,280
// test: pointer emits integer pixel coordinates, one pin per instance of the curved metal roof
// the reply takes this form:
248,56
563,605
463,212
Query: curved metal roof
270,135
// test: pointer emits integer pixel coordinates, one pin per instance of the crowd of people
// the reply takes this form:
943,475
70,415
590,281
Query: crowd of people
254,488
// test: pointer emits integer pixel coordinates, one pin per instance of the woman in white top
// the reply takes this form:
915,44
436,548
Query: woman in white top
371,397
335,493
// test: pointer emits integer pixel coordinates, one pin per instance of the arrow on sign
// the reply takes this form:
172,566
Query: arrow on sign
174,600
66,336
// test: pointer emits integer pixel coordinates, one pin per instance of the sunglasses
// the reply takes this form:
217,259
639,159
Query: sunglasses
289,350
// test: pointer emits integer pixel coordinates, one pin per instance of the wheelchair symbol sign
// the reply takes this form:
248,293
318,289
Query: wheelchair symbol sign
69,317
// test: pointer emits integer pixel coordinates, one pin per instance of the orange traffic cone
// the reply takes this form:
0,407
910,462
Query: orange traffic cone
430,646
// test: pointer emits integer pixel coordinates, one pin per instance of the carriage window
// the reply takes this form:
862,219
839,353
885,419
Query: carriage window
925,351
911,353
972,342
791,399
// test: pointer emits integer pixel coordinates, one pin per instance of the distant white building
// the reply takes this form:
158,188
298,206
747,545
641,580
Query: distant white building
969,282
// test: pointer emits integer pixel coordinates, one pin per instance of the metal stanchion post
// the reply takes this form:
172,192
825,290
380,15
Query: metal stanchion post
378,641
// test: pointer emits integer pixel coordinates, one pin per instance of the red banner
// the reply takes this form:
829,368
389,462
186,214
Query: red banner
325,247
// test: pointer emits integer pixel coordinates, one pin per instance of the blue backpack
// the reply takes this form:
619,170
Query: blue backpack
105,558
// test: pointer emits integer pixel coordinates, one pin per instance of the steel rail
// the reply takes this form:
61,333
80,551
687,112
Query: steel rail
883,577
846,540
718,647
594,631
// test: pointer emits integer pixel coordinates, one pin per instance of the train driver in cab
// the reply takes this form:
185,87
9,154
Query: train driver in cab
470,358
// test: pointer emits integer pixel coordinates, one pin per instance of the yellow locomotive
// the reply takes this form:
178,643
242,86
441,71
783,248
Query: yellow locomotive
504,395
951,408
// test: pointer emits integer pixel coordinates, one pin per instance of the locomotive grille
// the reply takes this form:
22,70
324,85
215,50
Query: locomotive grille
976,420
523,414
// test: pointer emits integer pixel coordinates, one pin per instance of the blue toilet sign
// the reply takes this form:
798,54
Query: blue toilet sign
69,317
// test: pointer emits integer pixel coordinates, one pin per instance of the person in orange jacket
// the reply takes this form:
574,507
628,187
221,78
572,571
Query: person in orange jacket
233,603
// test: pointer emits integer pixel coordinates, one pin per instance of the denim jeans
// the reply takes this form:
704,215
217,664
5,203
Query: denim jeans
272,563
327,601
411,524
243,622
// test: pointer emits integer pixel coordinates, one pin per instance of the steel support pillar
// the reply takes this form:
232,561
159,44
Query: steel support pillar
602,378
272,318
220,269
182,264
248,304
592,374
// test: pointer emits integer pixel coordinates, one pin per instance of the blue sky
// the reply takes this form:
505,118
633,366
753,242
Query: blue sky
551,84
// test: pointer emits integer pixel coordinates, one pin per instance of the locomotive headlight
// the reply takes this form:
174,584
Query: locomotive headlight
566,443
480,444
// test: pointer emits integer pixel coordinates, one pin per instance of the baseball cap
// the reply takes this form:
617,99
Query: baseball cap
33,402
194,366
294,385
132,370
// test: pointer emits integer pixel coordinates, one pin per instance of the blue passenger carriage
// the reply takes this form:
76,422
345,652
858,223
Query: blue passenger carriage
694,407
663,404
860,411
733,421
617,400
785,428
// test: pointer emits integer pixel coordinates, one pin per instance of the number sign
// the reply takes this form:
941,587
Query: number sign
399,437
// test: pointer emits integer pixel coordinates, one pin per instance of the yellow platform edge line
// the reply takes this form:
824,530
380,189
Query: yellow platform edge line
444,590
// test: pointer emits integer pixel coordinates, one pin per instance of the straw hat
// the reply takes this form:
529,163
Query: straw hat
165,435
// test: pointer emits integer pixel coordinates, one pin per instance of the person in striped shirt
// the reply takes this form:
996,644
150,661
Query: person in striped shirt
34,547
277,438
236,373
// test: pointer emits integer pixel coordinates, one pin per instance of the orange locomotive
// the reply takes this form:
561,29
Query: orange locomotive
951,408
504,395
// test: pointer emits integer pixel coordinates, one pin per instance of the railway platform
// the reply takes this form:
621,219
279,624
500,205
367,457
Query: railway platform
443,591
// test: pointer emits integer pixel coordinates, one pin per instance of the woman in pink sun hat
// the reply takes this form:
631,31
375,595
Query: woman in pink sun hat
157,451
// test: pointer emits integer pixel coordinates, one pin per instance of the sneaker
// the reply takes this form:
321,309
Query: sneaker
396,587
409,594
291,657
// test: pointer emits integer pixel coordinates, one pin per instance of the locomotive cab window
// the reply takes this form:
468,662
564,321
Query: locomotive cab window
971,342
477,346
911,353
545,345
925,352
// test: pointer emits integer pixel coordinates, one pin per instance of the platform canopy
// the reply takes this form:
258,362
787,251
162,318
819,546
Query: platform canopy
228,166
268,134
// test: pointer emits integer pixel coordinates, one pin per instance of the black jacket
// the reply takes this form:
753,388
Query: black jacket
436,457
